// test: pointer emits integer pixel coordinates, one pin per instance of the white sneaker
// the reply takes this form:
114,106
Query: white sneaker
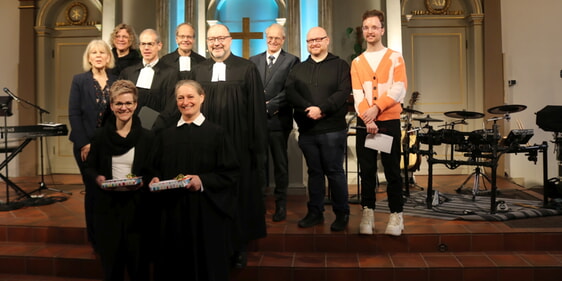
395,224
367,224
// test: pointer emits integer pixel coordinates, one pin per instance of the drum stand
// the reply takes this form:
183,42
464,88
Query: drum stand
477,174
478,171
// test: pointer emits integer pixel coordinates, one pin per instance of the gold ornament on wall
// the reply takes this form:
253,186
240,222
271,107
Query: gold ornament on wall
76,13
437,7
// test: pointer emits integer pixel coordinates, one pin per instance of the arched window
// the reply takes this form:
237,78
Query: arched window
261,13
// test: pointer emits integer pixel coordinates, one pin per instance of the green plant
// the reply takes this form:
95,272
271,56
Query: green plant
357,35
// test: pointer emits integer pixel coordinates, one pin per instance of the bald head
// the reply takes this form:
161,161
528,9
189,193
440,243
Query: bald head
317,42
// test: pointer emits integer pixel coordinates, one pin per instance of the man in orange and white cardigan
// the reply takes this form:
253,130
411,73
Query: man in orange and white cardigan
379,84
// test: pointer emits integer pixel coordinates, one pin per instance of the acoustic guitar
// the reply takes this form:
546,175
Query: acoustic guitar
414,159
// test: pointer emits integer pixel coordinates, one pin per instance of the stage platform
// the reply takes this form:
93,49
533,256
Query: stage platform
48,243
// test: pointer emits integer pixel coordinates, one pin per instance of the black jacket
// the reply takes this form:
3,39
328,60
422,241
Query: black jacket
132,58
162,89
279,112
326,84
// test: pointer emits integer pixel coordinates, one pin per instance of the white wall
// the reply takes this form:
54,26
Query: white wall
9,18
532,44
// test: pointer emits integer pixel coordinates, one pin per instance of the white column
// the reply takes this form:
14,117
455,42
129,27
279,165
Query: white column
201,29
393,25
109,15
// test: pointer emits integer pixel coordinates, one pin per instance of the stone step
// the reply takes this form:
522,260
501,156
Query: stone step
19,277
482,266
77,262
60,260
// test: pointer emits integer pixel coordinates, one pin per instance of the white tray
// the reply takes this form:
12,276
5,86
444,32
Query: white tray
122,184
169,184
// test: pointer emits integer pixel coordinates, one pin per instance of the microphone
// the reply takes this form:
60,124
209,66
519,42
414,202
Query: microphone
7,91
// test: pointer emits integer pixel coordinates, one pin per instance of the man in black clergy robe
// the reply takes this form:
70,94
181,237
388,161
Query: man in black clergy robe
154,79
183,59
234,99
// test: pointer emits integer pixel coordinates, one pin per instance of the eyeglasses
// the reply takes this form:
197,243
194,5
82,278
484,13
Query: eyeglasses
316,40
274,38
220,39
184,37
128,104
147,44
374,28
121,36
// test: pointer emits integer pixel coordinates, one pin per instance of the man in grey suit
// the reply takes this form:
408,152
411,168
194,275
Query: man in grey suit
274,66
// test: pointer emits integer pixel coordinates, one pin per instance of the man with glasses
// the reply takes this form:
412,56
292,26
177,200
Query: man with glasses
379,86
154,79
184,58
274,65
318,89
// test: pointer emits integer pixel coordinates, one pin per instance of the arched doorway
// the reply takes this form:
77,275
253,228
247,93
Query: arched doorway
443,50
61,42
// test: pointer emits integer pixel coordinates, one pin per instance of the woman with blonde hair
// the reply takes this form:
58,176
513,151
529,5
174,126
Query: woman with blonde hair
88,107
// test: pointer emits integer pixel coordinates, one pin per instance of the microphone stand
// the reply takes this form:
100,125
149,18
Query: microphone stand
42,185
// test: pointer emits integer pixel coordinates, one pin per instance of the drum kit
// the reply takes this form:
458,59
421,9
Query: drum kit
476,145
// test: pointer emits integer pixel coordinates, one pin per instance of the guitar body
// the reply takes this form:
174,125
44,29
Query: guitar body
414,159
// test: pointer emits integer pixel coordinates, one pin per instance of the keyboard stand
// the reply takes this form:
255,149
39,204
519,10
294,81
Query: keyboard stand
10,183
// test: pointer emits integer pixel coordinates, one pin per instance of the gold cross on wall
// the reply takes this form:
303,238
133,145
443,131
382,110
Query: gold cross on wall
246,35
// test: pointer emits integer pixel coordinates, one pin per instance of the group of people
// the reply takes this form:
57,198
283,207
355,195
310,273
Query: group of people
221,121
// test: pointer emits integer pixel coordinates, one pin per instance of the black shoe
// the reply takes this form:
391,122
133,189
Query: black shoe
311,219
340,223
280,214
240,259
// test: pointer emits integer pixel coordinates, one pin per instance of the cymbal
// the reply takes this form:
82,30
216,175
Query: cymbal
507,108
410,110
428,119
463,114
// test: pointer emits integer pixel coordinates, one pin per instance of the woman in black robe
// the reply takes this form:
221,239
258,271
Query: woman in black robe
194,222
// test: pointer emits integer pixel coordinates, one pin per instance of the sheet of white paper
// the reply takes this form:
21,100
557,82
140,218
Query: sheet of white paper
185,64
380,142
219,72
368,90
145,78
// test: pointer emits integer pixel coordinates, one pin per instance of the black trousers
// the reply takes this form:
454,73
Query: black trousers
278,148
89,199
367,159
